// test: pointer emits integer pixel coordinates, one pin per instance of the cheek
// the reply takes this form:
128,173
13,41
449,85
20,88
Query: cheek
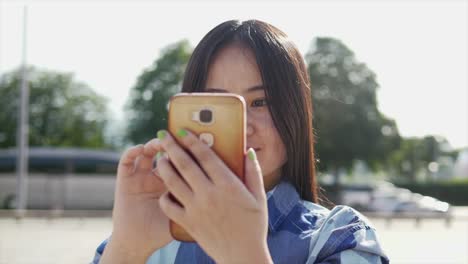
274,138
274,154
278,150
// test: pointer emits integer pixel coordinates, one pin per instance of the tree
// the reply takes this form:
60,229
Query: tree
415,155
147,107
347,122
62,112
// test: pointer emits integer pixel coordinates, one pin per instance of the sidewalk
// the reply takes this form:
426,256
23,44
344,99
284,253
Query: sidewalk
42,240
51,241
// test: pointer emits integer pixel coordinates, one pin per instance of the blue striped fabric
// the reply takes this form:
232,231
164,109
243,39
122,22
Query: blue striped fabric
298,232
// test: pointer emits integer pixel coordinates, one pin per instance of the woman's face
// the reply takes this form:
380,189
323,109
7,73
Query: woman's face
234,70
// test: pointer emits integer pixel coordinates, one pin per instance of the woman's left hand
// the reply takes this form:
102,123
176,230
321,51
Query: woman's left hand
228,219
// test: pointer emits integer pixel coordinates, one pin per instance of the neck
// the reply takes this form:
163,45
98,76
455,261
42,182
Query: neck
271,180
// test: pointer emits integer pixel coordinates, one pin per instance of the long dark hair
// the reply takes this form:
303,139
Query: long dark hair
287,89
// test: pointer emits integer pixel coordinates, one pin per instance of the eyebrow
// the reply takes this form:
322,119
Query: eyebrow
249,90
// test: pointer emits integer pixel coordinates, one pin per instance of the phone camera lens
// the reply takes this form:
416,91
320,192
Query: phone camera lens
206,116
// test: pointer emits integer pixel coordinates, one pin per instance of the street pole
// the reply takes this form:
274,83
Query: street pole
22,140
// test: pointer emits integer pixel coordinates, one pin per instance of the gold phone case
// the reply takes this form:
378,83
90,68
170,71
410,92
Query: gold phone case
226,131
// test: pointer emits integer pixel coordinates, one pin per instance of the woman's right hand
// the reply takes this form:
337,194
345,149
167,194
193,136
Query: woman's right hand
139,225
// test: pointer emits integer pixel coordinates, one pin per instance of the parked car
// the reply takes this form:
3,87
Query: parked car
388,198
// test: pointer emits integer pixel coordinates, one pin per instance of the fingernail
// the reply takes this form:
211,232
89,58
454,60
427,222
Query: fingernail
251,154
161,134
159,155
182,132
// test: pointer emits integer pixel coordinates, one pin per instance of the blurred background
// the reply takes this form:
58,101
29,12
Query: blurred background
88,79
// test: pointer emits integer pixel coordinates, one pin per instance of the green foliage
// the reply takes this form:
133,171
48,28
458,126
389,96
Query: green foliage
347,123
415,154
456,181
62,112
147,106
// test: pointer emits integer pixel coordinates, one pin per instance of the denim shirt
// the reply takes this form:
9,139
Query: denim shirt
298,232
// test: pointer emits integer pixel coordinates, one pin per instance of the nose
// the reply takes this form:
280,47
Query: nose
250,130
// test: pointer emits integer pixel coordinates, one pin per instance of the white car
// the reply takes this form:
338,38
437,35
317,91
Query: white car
388,198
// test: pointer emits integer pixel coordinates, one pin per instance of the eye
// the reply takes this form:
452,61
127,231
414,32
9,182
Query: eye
259,102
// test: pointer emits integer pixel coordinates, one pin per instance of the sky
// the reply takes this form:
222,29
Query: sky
417,49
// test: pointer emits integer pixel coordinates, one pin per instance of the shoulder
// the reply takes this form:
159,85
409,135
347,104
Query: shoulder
323,219
340,215
339,235
342,234
306,217
286,210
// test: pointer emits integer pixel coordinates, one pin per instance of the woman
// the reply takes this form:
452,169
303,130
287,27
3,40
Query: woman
276,216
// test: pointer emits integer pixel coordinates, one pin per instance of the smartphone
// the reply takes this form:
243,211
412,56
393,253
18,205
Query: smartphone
219,120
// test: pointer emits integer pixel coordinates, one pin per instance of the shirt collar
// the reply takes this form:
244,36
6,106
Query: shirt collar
281,200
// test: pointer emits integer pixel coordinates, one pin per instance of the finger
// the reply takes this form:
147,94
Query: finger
128,160
214,167
184,163
253,175
174,183
160,187
172,209
150,149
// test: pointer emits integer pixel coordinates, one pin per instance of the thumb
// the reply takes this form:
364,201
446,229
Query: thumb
253,175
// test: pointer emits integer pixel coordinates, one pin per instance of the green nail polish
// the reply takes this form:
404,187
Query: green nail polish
252,155
182,132
159,155
161,134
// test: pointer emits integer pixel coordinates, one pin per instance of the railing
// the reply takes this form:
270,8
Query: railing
55,213
455,213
